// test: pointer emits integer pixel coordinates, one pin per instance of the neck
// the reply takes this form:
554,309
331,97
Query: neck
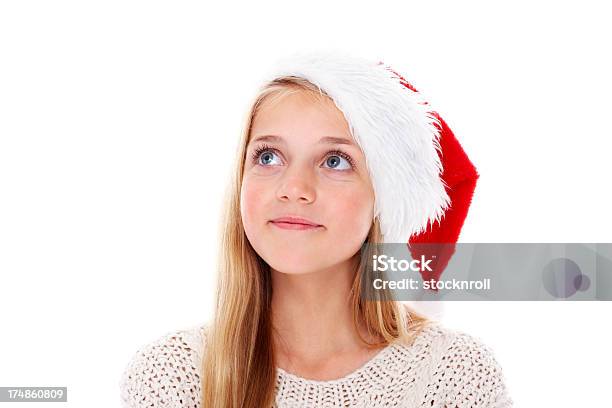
312,313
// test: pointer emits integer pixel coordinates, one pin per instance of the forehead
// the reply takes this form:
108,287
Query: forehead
299,115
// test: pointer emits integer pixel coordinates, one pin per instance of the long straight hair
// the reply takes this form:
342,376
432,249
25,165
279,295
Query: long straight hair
238,364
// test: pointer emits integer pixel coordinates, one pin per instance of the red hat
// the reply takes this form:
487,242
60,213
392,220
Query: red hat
459,176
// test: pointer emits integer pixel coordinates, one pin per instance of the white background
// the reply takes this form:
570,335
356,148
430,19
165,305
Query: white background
118,124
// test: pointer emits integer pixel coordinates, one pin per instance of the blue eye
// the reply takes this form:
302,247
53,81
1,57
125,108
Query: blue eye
334,161
262,151
264,156
267,157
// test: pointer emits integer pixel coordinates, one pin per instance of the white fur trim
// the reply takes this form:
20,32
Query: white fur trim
394,128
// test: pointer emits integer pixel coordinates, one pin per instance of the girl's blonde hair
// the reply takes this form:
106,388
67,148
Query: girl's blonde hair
238,364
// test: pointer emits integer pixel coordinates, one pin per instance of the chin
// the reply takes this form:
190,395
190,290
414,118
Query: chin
294,271
295,263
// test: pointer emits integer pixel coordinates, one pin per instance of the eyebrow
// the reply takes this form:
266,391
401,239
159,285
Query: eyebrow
323,140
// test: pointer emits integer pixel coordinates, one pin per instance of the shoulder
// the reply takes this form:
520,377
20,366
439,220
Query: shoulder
165,372
463,370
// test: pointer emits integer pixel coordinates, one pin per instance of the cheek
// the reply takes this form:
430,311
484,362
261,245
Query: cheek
251,203
353,211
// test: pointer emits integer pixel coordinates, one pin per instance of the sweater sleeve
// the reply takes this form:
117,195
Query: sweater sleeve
468,376
164,373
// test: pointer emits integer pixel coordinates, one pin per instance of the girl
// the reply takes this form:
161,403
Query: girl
336,152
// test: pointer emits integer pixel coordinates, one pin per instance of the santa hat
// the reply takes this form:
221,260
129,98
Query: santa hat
423,180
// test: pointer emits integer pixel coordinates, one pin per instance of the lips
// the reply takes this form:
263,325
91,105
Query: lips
296,224
296,221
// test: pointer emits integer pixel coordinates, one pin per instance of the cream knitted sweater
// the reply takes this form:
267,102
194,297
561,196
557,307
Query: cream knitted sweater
443,368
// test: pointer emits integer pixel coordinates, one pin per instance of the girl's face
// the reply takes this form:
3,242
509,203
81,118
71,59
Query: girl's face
303,162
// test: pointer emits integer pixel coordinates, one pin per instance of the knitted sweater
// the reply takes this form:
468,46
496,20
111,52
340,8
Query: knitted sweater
443,368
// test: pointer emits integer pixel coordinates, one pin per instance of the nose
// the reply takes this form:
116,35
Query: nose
297,185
